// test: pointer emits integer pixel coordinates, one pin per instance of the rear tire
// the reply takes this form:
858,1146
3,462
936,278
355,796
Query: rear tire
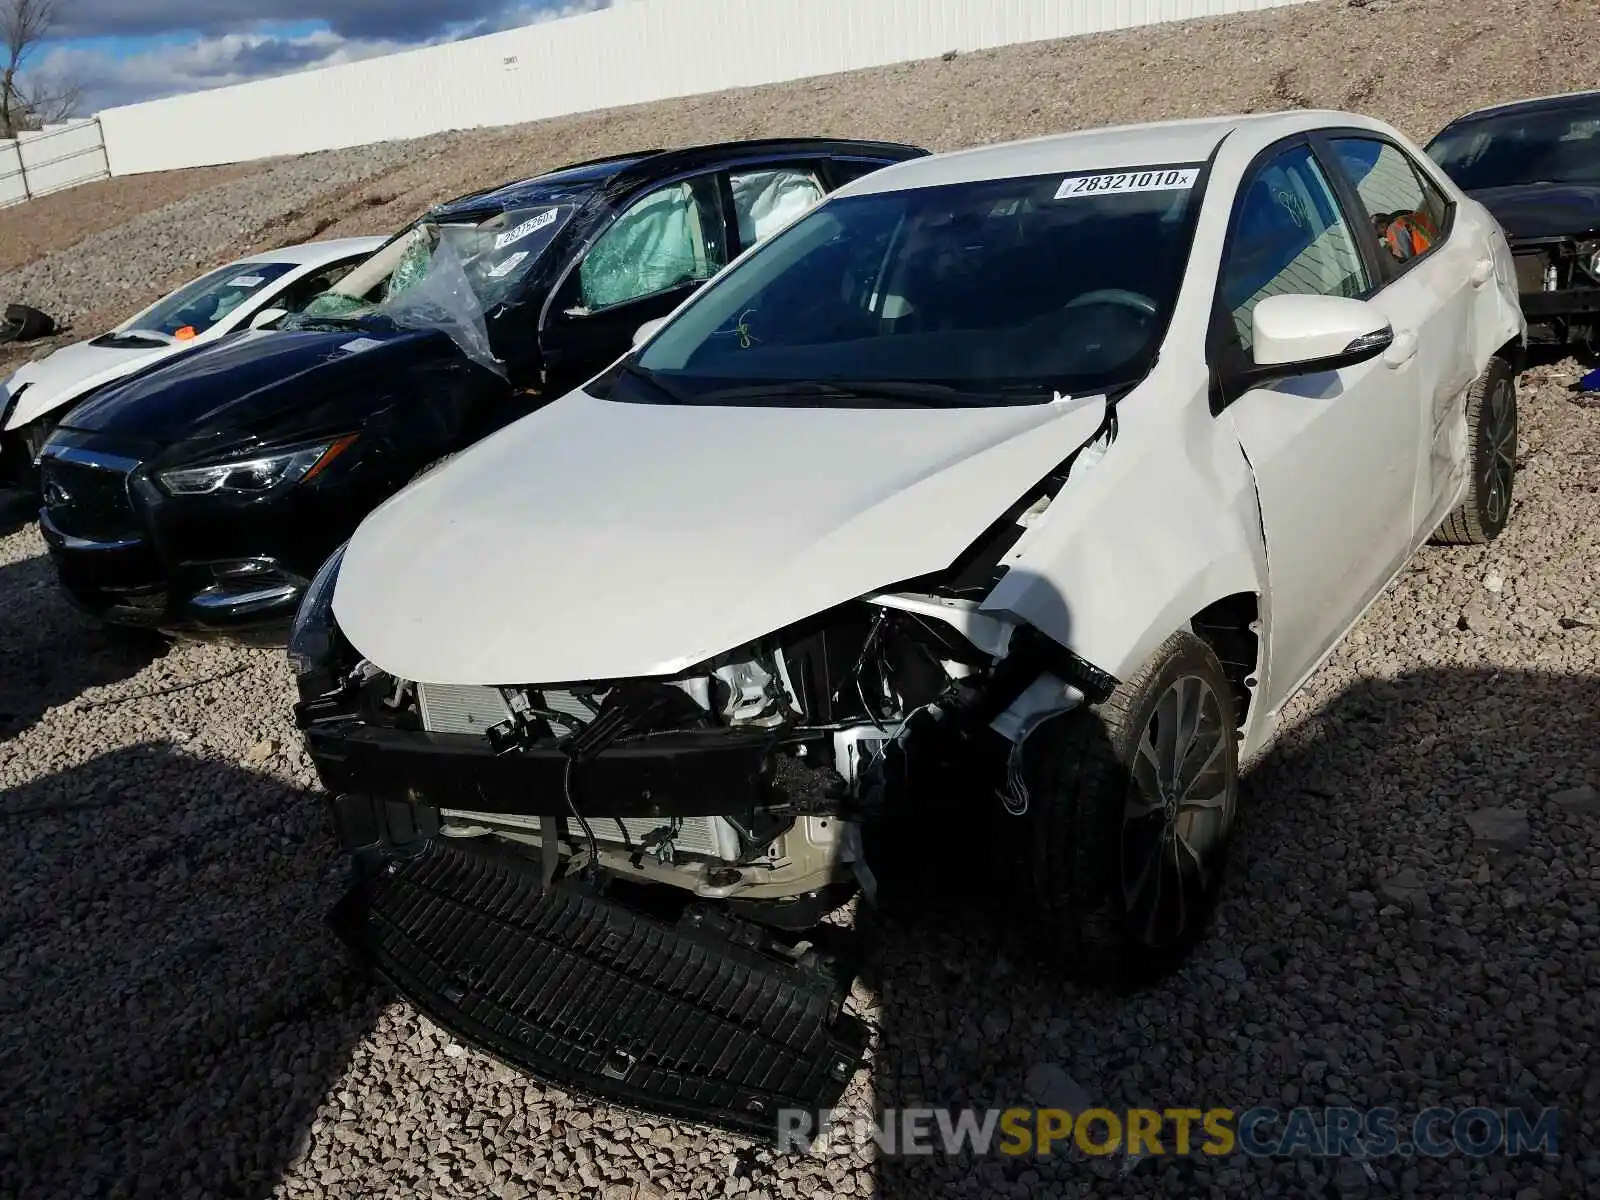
1131,809
1492,436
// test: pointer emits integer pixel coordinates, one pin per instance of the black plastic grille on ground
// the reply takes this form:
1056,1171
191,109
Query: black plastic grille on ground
589,995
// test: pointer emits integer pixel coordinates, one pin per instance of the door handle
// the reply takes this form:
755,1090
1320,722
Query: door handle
1482,271
1402,350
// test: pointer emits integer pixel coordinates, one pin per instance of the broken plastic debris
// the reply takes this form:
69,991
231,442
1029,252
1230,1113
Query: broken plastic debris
442,298
1590,382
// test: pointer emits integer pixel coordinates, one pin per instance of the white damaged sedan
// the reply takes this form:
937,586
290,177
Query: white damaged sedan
1010,489
251,292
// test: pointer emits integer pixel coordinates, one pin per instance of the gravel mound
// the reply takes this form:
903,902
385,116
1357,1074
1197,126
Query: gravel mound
29,231
110,274
1414,920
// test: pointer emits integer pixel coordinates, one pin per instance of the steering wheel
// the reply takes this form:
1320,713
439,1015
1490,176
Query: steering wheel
1134,300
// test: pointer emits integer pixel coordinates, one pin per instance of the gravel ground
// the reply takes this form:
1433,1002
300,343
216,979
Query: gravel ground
180,1024
1414,62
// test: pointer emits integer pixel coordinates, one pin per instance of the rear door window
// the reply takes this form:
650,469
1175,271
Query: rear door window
766,200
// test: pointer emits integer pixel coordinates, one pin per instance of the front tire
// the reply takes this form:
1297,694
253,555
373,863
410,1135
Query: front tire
1492,435
1132,807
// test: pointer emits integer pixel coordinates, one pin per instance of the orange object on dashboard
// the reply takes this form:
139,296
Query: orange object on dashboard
186,333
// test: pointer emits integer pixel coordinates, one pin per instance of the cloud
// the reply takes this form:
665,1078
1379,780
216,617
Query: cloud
397,20
215,60
236,43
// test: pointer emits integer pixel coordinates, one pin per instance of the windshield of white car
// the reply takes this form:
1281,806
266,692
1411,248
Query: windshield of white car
1556,146
991,292
196,307
496,252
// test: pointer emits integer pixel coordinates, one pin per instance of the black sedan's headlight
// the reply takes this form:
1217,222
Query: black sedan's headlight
258,474
311,638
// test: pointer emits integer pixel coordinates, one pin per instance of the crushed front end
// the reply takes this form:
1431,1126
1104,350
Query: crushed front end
621,886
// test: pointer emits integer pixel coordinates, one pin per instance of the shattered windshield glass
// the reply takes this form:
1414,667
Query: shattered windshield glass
443,273
993,291
196,307
1522,148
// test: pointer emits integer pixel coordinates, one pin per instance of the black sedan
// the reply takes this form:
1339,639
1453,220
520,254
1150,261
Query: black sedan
1535,165
202,495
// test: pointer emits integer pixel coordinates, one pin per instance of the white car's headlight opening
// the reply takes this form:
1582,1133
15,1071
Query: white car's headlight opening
311,636
257,475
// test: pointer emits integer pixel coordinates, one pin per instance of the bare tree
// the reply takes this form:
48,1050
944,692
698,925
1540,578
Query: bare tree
27,102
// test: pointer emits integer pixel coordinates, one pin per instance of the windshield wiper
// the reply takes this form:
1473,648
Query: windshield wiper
905,391
138,337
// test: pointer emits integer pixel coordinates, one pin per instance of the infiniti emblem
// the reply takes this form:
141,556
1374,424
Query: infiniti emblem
55,495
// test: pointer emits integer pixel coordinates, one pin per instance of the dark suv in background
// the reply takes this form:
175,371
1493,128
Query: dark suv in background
1535,165
203,494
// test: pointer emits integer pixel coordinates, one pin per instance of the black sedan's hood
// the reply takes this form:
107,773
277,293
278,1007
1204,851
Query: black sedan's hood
1539,210
261,382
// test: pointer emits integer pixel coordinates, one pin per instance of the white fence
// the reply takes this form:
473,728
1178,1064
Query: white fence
55,157
634,51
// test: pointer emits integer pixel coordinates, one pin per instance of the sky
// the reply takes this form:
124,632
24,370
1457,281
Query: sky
124,51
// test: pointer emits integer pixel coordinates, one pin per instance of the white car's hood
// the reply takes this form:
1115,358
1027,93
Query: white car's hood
71,371
600,540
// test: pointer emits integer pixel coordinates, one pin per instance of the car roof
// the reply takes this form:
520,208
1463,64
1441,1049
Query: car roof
624,172
310,254
1555,103
1157,143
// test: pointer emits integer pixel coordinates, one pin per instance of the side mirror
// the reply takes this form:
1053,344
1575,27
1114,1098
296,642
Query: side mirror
1301,335
267,316
647,331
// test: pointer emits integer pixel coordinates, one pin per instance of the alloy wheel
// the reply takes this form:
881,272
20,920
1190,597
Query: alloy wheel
1501,435
1179,809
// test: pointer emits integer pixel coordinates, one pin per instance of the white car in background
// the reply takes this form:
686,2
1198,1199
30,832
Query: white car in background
251,291
1004,498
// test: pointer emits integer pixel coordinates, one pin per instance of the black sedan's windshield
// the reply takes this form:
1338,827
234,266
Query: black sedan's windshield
1008,290
1556,146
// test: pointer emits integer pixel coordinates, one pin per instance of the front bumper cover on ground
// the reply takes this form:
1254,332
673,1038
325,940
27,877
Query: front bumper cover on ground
701,1021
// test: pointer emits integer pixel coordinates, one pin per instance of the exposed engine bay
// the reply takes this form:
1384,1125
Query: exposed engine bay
749,778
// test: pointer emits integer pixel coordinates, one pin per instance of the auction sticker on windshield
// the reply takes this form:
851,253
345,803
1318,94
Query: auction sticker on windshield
1109,182
530,226
503,268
